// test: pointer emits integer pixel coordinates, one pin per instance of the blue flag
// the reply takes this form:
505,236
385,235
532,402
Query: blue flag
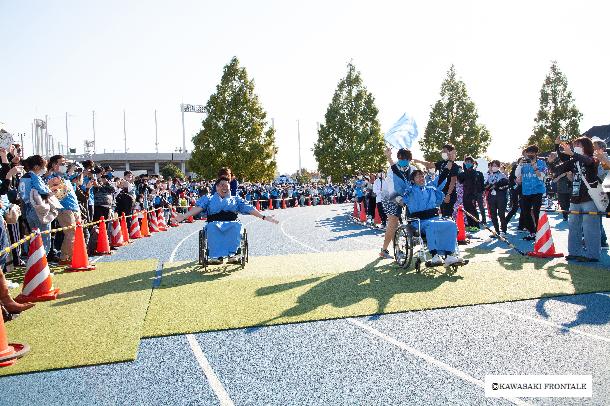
403,132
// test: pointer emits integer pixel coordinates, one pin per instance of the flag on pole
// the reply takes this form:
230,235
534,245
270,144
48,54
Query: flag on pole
403,132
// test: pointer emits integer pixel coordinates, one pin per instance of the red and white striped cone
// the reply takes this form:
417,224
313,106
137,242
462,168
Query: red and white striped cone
172,220
161,220
152,222
37,283
134,229
117,235
544,246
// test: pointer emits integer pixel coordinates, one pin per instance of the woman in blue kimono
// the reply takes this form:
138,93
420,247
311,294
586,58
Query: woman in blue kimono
222,228
423,202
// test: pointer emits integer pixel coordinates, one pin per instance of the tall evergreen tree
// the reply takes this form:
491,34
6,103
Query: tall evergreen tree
558,114
235,132
453,120
350,139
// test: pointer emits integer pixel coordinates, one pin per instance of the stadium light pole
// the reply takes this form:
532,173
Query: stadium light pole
67,142
93,117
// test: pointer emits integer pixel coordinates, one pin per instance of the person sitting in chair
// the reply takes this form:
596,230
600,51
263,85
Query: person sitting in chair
222,228
423,203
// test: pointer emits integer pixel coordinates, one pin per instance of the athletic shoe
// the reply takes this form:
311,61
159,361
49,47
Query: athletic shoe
385,254
215,261
436,260
233,259
452,260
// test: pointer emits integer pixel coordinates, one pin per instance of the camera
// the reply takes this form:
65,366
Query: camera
564,137
97,169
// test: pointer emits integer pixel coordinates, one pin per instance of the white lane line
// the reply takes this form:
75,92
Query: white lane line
549,323
215,383
446,367
291,237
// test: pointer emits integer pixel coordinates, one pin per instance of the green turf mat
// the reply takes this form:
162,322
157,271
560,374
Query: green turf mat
96,319
295,288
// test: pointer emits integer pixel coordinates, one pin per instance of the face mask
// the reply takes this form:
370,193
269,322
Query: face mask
467,165
445,156
63,169
495,169
578,150
403,163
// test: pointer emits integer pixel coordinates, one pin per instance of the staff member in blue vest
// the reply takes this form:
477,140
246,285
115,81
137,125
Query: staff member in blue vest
530,174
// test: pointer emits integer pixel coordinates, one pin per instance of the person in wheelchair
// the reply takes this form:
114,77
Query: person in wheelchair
422,202
222,228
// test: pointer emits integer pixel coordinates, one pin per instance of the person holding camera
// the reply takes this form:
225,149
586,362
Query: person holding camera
530,174
497,187
581,227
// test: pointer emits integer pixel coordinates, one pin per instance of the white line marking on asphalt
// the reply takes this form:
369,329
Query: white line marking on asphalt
215,383
549,323
446,367
291,237
93,261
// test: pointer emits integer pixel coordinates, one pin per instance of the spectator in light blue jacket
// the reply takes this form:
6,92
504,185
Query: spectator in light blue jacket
36,166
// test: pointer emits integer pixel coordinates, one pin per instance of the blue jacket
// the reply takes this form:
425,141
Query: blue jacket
530,183
31,180
70,202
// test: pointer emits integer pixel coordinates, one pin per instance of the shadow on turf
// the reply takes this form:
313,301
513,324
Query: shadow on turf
344,224
173,276
373,281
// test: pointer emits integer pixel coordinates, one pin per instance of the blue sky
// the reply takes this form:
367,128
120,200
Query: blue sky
79,56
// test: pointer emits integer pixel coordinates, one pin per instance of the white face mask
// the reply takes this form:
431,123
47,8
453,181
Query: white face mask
445,156
578,150
63,169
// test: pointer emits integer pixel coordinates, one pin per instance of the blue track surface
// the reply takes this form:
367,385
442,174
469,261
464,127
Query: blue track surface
341,361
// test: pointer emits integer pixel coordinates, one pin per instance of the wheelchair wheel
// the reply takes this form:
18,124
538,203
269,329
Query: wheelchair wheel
243,246
203,249
403,247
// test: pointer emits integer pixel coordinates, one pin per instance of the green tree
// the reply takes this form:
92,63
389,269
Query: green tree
453,120
558,114
235,132
170,171
350,139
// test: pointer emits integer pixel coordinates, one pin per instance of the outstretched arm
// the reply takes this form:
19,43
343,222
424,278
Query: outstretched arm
192,212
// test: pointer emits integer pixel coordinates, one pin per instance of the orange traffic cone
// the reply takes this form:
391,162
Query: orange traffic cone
134,229
270,204
258,205
117,236
37,283
190,219
10,352
124,231
362,213
459,221
103,247
173,218
161,220
309,201
152,222
377,216
283,203
80,259
334,199
544,246
145,230
355,214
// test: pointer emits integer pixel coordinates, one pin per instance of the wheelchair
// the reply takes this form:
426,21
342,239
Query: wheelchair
204,252
410,247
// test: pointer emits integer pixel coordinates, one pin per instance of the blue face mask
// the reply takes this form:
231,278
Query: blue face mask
467,165
403,163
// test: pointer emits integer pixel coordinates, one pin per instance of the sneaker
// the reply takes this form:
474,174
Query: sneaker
385,254
234,259
436,260
214,261
452,260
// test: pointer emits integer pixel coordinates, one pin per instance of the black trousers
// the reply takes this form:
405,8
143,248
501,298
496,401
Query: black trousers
470,207
531,211
479,199
370,207
384,217
447,208
564,203
497,207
